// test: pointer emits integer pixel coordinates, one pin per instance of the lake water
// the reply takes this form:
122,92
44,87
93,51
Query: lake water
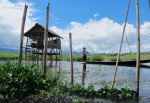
104,74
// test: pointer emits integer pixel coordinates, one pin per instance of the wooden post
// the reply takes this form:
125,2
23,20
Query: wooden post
45,42
71,61
138,48
22,32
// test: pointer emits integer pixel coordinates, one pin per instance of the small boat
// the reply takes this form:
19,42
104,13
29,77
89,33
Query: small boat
131,62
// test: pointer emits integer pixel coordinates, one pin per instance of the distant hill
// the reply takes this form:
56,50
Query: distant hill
17,51
68,53
9,50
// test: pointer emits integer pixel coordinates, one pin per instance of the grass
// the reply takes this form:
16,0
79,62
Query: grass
8,56
15,56
96,57
111,57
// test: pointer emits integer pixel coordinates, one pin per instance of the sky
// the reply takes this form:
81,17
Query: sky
94,24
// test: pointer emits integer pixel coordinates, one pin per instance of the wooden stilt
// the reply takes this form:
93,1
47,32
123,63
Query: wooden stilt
22,32
45,42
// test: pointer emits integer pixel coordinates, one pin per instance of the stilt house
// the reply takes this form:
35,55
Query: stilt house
34,44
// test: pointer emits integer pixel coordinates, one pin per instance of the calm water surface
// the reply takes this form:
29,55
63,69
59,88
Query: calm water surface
126,76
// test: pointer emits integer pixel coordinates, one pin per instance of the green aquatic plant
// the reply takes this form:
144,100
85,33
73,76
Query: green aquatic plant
123,93
127,93
90,90
77,89
102,82
103,92
106,91
121,82
77,100
18,81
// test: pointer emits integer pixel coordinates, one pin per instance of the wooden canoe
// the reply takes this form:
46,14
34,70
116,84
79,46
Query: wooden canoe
119,63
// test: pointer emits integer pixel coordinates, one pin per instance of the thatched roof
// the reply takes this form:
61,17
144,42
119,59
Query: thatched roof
37,32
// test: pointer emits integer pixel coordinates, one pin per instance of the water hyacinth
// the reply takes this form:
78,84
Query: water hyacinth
18,81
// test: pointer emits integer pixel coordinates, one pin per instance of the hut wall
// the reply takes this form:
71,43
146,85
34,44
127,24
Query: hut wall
54,44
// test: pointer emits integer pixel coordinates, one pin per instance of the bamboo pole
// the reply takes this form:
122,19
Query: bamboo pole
45,42
71,61
138,48
22,32
113,82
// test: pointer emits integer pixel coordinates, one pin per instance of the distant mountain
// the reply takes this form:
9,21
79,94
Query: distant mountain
17,51
9,50
74,53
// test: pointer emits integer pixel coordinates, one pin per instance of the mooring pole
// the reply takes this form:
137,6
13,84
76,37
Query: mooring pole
71,61
22,32
118,57
138,48
45,42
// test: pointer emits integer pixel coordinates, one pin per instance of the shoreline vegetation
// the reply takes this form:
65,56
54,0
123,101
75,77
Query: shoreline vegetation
94,57
25,83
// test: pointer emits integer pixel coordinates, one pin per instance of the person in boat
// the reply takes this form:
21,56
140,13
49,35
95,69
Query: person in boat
84,54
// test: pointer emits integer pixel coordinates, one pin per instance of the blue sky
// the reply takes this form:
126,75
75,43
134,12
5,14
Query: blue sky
96,24
62,12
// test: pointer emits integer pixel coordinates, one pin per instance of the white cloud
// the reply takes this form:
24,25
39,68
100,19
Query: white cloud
145,28
96,15
10,22
103,36
97,36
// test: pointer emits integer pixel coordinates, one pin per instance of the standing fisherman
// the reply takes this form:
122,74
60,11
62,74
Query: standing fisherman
84,54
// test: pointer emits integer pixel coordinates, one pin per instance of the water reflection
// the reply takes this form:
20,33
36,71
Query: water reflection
83,74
